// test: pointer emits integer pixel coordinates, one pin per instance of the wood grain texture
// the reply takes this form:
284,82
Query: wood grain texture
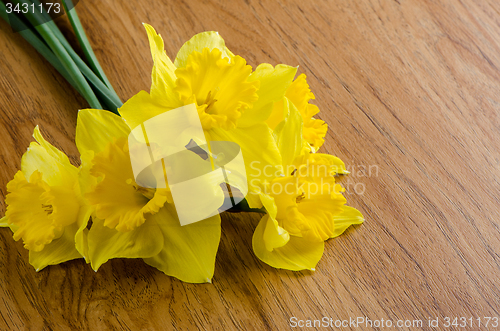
409,87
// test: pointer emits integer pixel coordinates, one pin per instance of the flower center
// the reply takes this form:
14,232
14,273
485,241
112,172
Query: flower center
47,208
147,192
300,197
209,101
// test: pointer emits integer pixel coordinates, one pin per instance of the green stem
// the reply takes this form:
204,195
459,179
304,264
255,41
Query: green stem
69,65
243,206
84,42
33,38
107,96
61,53
106,93
112,99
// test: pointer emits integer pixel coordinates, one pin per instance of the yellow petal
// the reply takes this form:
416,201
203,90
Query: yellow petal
296,254
269,205
260,153
284,190
81,235
86,181
189,251
105,243
288,134
62,249
58,251
336,165
348,217
51,150
273,84
142,107
274,235
208,39
95,129
278,114
163,75
320,211
48,160
4,223
324,165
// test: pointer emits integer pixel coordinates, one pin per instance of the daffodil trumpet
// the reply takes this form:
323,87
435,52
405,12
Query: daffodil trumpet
45,207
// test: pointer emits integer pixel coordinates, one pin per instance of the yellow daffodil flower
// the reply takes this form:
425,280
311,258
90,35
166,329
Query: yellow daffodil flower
232,101
131,221
44,206
305,206
314,130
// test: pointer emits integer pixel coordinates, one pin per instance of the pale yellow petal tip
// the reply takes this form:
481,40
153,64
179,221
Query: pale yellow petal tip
208,280
313,269
149,28
4,222
150,31
37,133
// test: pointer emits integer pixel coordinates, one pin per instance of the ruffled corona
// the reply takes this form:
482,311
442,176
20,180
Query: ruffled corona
306,202
300,94
118,200
29,211
219,87
313,130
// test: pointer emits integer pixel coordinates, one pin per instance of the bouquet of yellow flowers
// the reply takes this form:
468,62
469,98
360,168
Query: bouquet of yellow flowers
156,172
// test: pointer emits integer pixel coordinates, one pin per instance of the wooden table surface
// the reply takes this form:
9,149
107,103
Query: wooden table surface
411,92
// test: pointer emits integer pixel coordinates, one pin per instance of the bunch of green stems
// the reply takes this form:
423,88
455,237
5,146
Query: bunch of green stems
87,77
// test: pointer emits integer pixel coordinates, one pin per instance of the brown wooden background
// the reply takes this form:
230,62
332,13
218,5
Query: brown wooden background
411,87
